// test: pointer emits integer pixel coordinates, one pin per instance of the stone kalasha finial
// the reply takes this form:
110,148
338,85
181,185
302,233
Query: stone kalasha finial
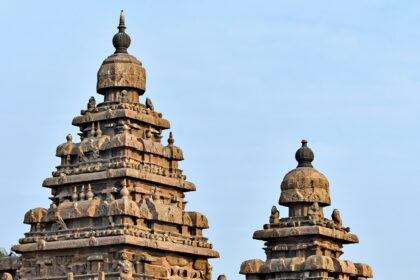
75,195
304,155
82,194
121,40
171,139
98,130
89,194
124,191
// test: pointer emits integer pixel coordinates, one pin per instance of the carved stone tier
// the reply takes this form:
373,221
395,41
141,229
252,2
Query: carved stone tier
178,183
131,111
313,267
123,237
306,231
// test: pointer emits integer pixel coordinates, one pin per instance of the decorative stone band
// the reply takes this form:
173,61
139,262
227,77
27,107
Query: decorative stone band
101,276
121,113
300,264
119,173
117,240
309,195
336,234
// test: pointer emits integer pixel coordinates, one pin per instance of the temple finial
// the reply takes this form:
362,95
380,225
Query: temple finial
171,139
122,19
121,40
304,155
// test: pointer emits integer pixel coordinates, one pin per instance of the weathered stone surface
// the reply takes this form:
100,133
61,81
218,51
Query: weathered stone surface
305,245
305,184
121,70
251,266
118,196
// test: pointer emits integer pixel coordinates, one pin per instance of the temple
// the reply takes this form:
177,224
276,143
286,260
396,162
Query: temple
305,245
118,196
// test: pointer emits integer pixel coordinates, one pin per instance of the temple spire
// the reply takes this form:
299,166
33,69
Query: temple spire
121,40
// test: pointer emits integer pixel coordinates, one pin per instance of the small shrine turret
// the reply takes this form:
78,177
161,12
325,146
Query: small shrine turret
305,244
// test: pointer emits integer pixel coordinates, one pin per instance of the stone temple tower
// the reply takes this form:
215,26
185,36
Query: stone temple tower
305,245
118,196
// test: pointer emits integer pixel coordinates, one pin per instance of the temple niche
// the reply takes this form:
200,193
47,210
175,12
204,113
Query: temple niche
305,244
118,196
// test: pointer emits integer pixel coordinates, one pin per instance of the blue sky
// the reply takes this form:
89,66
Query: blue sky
242,82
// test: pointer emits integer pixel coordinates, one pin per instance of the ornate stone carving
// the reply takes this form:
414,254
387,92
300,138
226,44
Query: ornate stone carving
92,103
275,215
149,104
126,268
337,217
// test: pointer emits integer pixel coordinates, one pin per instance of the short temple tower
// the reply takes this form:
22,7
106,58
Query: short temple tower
305,245
118,196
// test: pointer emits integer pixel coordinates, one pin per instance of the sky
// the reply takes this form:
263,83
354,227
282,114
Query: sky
242,82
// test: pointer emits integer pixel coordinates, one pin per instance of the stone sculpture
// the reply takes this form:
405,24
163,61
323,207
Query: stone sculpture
336,217
126,268
275,215
149,104
91,103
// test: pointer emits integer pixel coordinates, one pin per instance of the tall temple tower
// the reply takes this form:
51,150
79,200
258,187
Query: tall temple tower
305,245
117,198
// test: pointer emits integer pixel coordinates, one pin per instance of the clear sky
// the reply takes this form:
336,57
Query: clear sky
242,82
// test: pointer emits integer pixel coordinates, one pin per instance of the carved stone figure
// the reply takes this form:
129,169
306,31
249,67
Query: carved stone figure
126,268
59,220
124,98
336,217
314,213
41,244
149,104
92,103
222,277
275,215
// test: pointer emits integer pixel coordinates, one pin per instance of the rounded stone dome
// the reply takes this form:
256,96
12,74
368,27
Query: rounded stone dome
121,69
305,184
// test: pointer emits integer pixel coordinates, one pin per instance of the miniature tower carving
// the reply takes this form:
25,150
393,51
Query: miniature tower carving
305,245
117,207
